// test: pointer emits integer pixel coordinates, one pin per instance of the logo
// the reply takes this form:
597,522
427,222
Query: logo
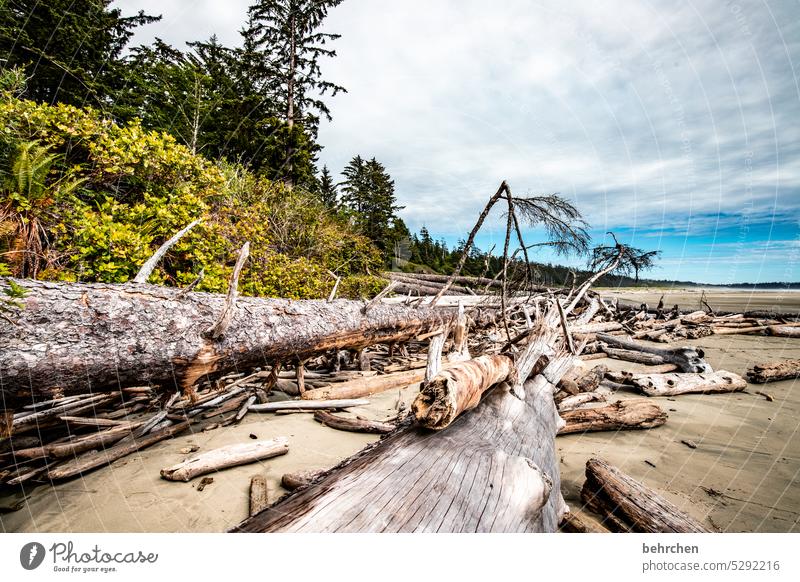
31,555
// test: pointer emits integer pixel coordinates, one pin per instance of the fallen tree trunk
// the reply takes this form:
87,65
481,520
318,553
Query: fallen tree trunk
225,457
353,424
621,415
414,480
774,371
672,384
361,387
784,330
627,505
71,338
413,282
688,359
476,281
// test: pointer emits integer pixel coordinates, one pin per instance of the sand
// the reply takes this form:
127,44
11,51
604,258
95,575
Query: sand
719,300
747,459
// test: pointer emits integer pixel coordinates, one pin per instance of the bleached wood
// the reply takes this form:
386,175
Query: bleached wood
225,457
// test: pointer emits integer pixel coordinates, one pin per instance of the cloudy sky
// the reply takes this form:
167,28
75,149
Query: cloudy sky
675,124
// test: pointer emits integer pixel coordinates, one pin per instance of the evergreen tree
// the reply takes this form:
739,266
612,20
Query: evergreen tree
369,192
283,45
328,192
71,50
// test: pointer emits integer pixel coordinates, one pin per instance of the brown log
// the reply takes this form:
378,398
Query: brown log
292,481
621,415
774,371
718,330
673,384
361,387
628,505
71,338
259,494
225,457
458,389
353,424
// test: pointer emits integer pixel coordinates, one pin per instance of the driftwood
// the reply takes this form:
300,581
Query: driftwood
259,494
474,281
573,402
361,387
353,424
621,415
292,481
634,356
774,371
627,505
77,338
673,384
90,461
688,359
414,479
784,330
225,457
308,405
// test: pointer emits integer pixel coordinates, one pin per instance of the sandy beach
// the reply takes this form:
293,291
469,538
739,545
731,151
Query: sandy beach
719,299
742,477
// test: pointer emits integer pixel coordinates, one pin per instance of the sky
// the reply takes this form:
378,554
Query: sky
674,124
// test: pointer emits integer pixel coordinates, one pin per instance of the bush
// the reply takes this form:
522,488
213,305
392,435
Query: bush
131,189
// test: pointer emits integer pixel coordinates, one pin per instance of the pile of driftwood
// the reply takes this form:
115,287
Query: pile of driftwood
90,373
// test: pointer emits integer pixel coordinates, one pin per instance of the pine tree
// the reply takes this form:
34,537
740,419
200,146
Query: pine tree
328,191
368,191
284,46
71,50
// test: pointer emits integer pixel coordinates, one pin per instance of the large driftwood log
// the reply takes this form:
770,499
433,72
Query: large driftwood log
621,415
79,338
774,371
673,384
493,470
628,505
688,359
225,457
784,330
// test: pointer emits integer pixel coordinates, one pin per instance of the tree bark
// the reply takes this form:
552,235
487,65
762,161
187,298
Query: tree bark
225,457
628,505
621,415
774,371
81,338
672,384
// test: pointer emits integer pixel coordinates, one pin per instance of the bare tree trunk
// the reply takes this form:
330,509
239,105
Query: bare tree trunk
81,338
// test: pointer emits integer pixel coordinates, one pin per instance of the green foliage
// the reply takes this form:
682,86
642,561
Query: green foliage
70,49
105,196
360,286
9,295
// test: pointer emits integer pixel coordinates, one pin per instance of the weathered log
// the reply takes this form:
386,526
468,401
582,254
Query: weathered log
719,330
588,328
353,424
621,415
225,457
475,281
308,405
414,479
672,384
292,481
784,330
688,359
89,461
774,371
628,505
633,356
573,402
459,388
72,338
78,445
361,387
420,289
413,282
259,494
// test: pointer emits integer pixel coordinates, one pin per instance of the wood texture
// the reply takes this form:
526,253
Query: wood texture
628,505
688,359
353,424
72,338
621,415
673,384
774,371
493,470
225,457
